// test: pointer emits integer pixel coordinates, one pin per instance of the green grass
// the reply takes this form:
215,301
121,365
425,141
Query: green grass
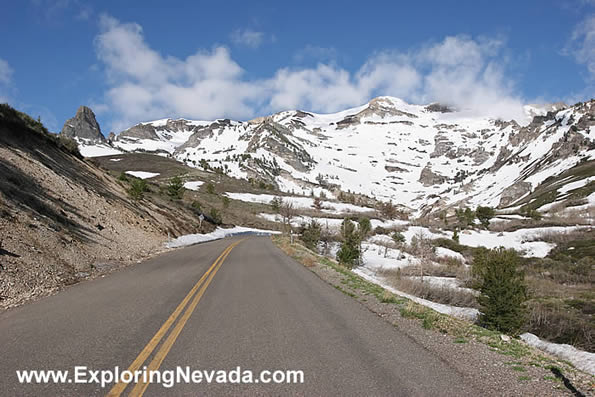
345,292
524,378
460,339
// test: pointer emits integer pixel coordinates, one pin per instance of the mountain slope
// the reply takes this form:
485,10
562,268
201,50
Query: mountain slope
424,158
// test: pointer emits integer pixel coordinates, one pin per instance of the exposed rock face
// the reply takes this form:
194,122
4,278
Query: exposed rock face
275,138
140,131
441,144
380,106
429,177
514,192
438,108
83,125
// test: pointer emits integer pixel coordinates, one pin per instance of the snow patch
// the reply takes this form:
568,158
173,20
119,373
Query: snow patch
219,233
579,358
143,174
193,185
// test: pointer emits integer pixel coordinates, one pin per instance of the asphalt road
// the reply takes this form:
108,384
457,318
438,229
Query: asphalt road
211,308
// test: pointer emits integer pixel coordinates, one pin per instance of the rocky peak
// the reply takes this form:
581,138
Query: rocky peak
83,125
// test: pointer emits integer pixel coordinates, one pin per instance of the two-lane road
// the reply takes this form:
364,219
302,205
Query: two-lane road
217,306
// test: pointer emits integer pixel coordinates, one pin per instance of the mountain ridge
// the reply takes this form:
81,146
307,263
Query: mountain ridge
424,157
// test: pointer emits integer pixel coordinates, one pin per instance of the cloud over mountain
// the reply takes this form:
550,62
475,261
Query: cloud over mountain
143,84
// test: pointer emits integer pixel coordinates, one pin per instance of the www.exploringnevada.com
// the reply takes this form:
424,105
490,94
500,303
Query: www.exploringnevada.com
167,378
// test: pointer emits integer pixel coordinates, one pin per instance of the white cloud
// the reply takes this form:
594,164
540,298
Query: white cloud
144,84
582,44
459,71
5,72
5,81
247,37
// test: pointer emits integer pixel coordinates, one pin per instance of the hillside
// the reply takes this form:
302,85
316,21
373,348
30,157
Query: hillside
64,219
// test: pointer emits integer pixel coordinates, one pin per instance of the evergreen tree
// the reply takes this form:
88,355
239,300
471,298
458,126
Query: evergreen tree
503,290
175,188
310,234
348,254
484,214
137,189
276,204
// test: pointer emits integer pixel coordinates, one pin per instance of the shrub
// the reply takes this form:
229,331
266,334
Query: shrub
225,200
455,236
215,216
196,205
276,204
484,214
388,210
175,188
503,290
465,217
398,238
531,213
317,204
310,234
137,189
69,145
123,177
381,230
561,322
210,188
204,164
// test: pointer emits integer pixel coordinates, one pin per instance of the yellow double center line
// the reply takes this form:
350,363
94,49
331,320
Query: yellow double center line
200,286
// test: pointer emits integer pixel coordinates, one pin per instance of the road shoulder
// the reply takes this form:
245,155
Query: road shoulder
502,368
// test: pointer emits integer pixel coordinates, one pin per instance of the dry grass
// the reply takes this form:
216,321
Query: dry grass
400,280
558,322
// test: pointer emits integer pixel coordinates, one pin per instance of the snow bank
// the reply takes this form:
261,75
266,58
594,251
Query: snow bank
467,313
299,202
142,174
373,257
442,252
193,185
331,223
580,359
97,150
219,233
521,240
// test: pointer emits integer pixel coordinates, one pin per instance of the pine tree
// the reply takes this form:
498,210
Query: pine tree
175,188
484,214
310,234
348,254
503,290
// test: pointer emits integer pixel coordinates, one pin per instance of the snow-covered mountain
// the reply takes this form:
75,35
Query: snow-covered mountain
421,157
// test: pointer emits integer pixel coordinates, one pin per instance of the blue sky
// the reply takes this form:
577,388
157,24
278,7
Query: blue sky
135,61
